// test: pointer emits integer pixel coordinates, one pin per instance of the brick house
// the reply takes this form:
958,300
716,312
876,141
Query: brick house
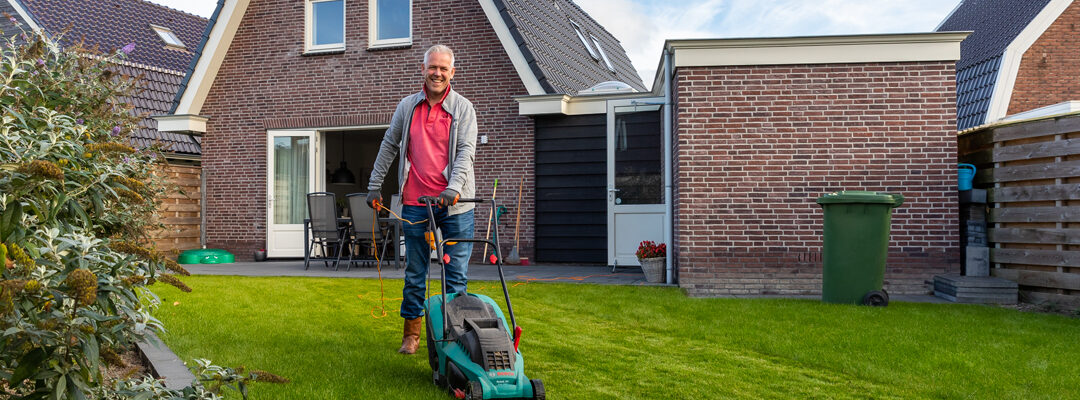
1020,58
722,157
317,81
164,39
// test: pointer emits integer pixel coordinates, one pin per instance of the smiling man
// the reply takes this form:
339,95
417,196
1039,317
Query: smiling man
433,134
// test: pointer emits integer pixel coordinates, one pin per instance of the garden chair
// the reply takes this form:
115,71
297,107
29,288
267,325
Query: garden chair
325,231
363,220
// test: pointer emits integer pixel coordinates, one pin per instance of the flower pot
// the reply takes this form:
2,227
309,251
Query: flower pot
260,255
653,269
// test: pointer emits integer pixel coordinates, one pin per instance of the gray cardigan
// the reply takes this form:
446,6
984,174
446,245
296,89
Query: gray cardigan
458,172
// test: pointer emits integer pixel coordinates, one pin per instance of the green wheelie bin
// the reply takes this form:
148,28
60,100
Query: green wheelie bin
856,244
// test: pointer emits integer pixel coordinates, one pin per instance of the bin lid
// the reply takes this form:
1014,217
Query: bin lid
861,197
205,256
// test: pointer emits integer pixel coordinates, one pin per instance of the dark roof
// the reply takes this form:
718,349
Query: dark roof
162,67
994,25
556,56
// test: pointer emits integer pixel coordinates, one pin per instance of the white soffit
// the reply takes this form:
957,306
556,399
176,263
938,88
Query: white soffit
912,47
1010,60
570,105
512,50
181,123
213,53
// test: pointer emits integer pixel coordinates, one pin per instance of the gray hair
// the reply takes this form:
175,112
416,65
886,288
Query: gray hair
439,49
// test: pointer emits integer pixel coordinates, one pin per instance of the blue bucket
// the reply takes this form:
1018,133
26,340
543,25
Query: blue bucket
965,175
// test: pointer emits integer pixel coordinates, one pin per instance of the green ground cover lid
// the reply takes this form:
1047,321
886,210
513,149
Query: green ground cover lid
205,256
861,197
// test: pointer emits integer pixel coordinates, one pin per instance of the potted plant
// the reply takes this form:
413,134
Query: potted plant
652,256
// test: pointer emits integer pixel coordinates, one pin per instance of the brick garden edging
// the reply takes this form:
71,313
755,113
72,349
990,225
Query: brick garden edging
164,364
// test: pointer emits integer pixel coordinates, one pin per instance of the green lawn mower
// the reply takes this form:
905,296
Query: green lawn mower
472,351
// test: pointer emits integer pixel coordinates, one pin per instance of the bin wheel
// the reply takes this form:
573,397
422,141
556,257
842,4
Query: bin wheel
876,298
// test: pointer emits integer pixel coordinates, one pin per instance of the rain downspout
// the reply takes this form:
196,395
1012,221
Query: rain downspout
668,170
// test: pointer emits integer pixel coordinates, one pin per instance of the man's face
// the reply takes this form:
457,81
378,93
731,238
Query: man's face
437,73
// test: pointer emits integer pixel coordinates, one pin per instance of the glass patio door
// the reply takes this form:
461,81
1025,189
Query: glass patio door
290,176
635,177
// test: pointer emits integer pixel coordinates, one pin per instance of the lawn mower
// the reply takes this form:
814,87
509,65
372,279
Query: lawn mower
472,351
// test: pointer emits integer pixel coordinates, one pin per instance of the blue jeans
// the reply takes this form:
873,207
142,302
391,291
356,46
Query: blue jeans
417,255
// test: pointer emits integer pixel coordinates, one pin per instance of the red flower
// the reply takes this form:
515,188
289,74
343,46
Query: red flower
648,249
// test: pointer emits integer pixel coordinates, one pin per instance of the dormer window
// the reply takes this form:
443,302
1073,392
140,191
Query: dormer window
603,54
168,36
581,36
325,25
390,23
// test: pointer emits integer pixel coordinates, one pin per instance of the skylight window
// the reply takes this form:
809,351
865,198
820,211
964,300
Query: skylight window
603,54
168,36
581,36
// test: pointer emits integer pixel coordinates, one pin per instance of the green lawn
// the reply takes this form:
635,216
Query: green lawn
631,342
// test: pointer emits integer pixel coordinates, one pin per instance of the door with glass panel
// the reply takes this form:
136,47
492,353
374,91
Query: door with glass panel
290,177
635,177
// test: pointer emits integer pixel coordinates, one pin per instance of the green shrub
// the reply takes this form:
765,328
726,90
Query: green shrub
76,203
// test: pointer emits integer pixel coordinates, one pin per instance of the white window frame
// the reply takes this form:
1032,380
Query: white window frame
603,54
581,36
166,35
309,29
373,26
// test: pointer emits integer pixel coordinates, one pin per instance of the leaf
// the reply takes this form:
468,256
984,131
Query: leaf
11,218
75,391
61,388
28,366
91,349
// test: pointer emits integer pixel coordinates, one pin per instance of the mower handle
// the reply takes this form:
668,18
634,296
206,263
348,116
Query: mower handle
434,200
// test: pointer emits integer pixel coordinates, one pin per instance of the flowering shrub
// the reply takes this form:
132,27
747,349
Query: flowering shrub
76,203
648,249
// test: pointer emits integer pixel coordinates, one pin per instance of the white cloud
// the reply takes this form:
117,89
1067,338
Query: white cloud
643,25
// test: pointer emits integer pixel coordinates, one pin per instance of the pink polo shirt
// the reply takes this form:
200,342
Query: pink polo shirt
429,152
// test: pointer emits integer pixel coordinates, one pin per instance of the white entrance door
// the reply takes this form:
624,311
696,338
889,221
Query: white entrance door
290,177
635,177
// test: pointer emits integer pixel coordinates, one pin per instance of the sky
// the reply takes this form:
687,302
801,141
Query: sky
643,25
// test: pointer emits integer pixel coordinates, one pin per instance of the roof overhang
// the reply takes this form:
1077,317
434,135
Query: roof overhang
181,123
562,104
1014,54
225,25
839,49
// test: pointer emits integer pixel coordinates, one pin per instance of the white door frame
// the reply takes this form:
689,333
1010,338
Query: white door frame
636,214
286,240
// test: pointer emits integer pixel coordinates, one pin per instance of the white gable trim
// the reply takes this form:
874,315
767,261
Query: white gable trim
839,49
512,50
24,14
1010,60
213,53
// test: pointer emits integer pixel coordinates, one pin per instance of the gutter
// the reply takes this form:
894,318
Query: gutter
198,54
669,170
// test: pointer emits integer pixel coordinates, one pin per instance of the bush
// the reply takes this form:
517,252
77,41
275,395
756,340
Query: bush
76,203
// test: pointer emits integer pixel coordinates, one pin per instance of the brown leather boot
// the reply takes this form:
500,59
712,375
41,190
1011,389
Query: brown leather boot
410,341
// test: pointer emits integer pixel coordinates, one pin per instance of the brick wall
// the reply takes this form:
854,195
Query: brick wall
179,210
755,147
1050,69
265,81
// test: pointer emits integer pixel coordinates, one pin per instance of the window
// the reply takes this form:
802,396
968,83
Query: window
581,36
390,23
168,36
602,54
325,25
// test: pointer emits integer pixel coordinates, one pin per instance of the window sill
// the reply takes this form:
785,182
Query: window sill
391,46
323,52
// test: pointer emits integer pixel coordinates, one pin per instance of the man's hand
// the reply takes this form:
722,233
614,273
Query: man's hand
448,197
374,197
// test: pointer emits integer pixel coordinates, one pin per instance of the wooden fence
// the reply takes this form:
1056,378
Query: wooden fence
179,210
1031,170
